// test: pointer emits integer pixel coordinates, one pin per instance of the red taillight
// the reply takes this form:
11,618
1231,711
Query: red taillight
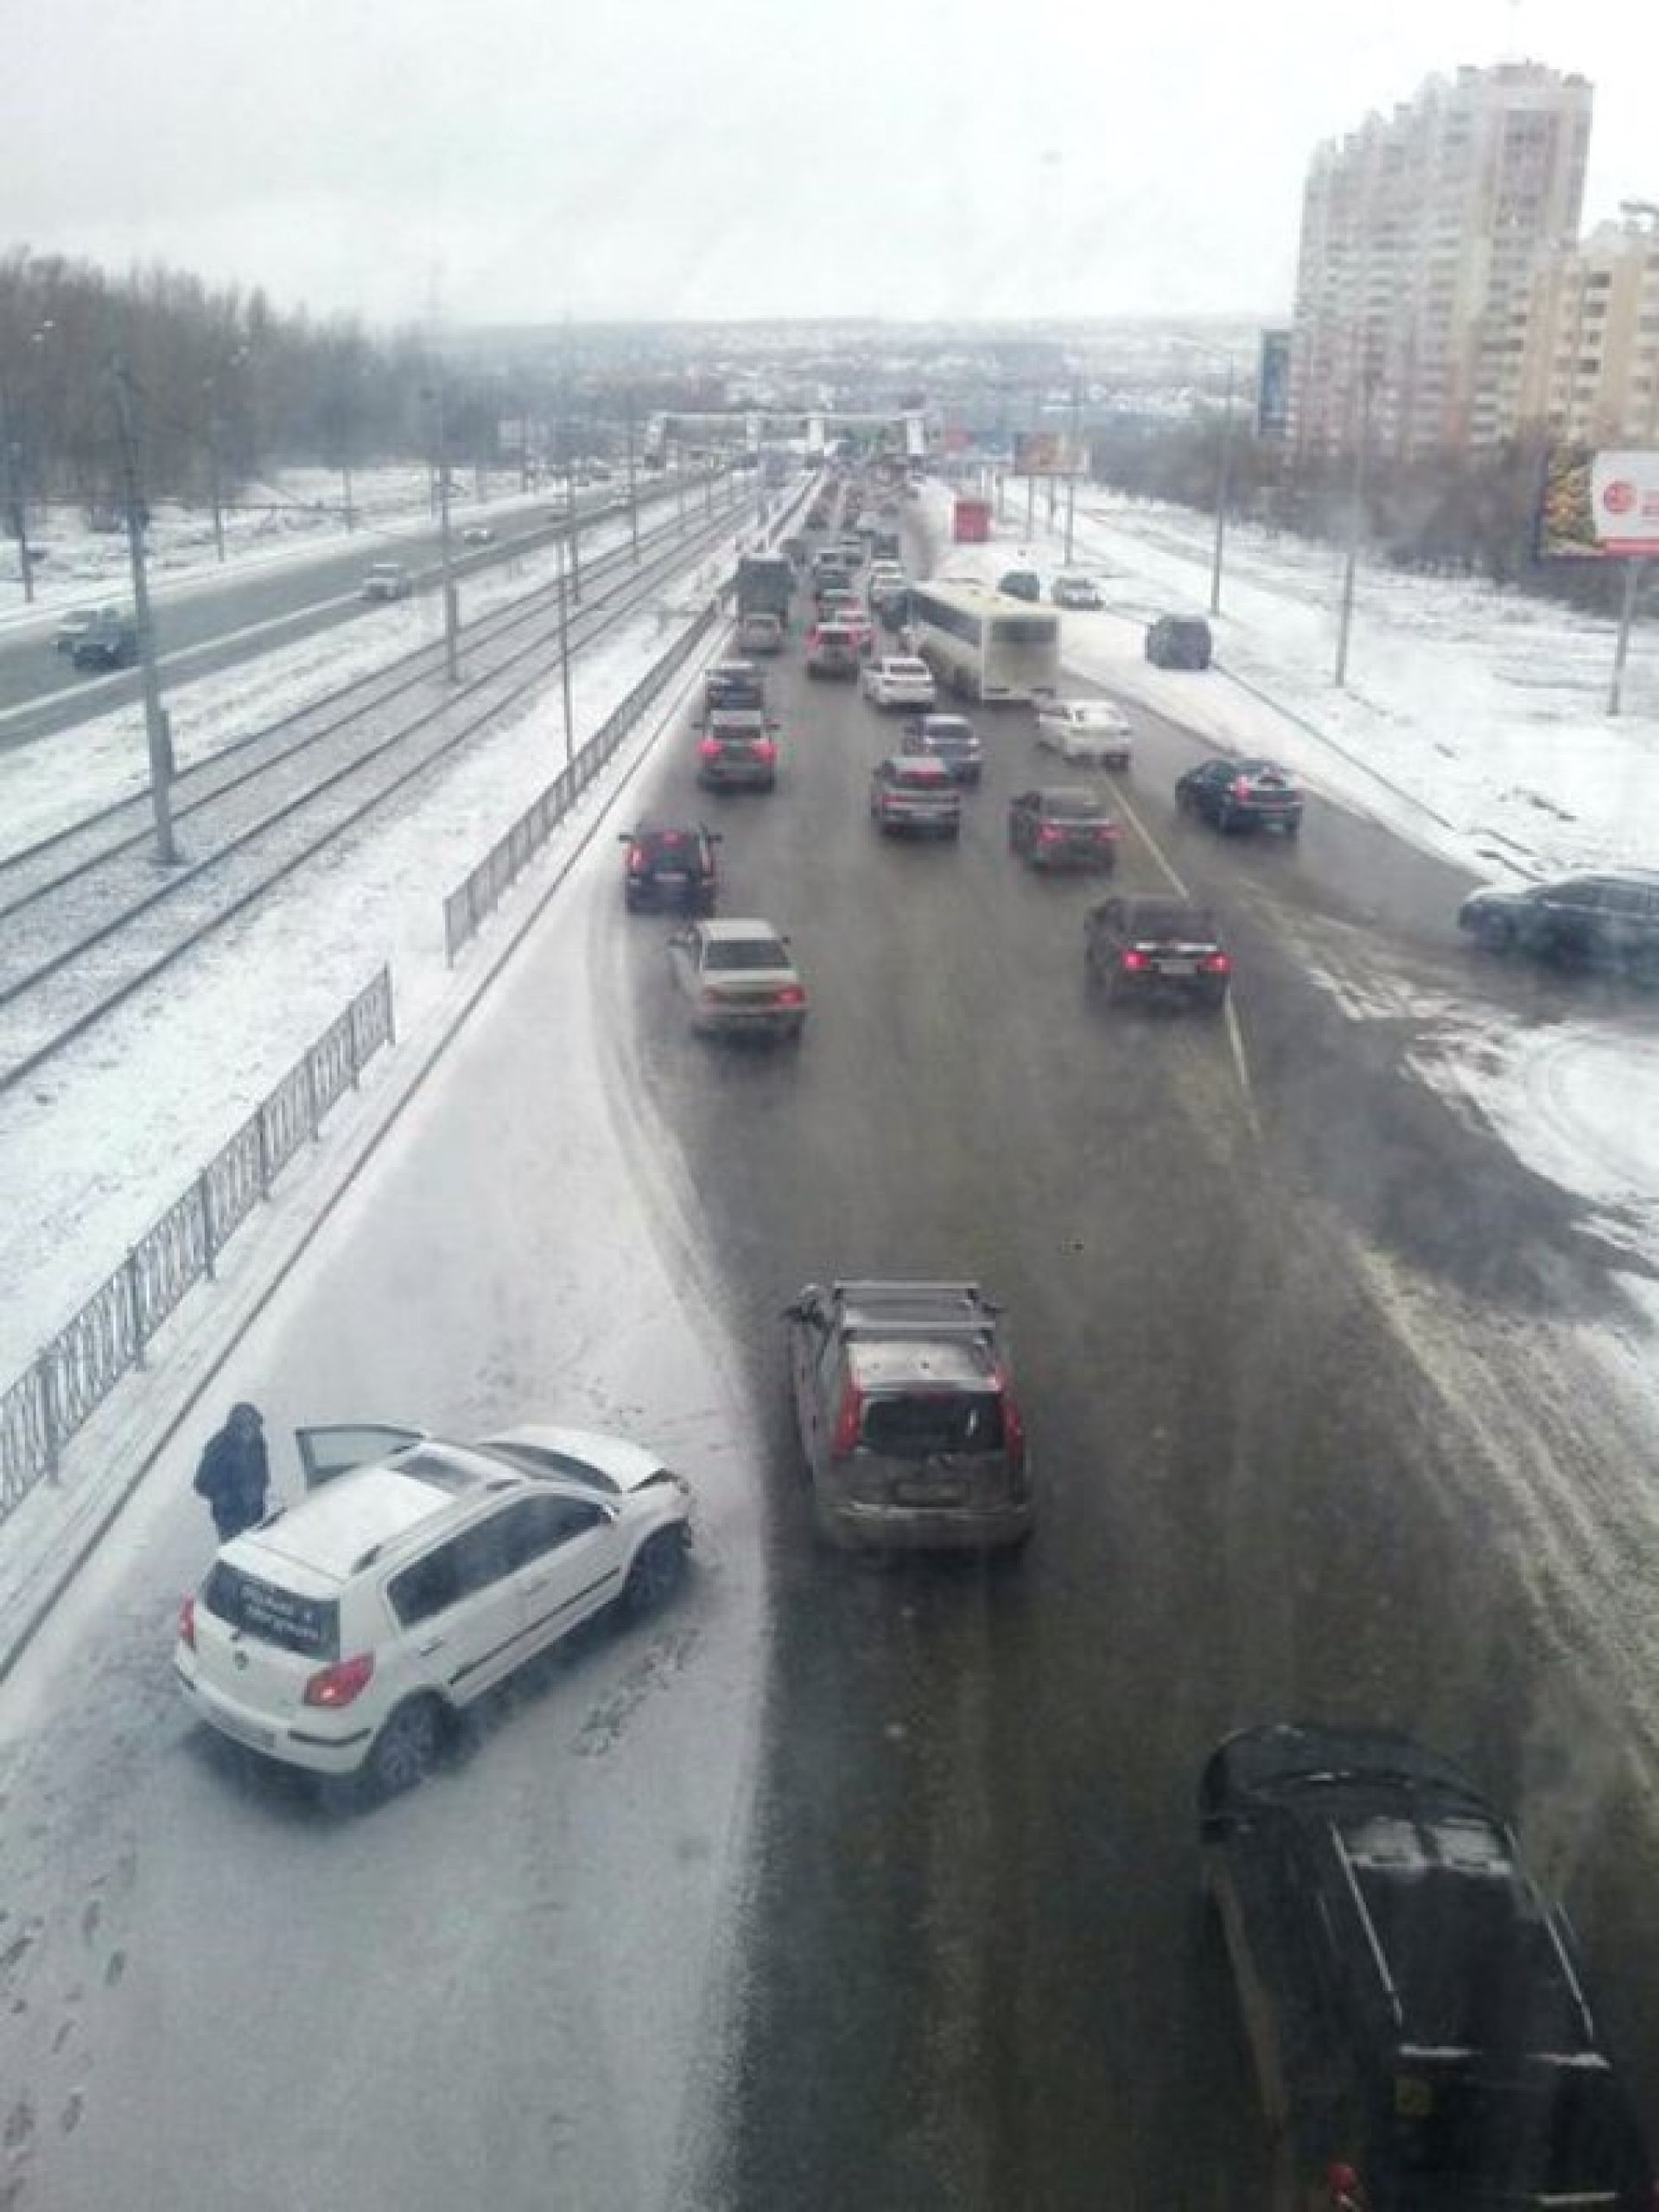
1107,834
637,861
1241,787
764,749
1215,963
339,1684
848,1422
710,748
1134,960
1048,835
1013,1426
188,1623
1347,2191
791,995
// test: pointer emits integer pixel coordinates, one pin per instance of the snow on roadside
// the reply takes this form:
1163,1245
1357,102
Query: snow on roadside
1474,722
106,1137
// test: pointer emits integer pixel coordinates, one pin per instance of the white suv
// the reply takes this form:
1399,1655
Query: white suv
345,1634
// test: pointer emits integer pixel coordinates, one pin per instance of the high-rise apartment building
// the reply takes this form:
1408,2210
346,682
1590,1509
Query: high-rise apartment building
1589,338
1422,234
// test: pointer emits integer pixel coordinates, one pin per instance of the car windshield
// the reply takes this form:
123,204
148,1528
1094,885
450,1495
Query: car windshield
745,952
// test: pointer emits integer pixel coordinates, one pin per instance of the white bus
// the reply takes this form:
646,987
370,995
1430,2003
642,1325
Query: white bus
984,643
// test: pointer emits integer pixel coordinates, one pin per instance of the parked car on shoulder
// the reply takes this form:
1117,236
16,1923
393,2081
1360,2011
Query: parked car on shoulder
1153,947
1074,591
916,798
1065,826
347,1634
897,680
1241,795
1092,730
1179,641
1608,920
908,1421
739,978
1415,2004
477,533
738,750
387,579
672,866
951,739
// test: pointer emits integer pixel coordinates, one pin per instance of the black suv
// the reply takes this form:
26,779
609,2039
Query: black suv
950,738
1241,795
1179,641
1606,921
670,867
1157,947
1417,2015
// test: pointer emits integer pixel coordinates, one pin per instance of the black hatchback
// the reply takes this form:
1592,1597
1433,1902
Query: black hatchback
1241,795
671,869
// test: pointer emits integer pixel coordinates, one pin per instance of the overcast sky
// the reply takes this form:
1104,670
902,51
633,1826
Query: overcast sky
521,160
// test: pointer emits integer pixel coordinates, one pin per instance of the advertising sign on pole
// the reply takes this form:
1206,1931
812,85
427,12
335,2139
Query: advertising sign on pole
1272,385
1599,505
1045,452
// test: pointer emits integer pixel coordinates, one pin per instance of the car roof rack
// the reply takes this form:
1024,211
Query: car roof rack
944,1309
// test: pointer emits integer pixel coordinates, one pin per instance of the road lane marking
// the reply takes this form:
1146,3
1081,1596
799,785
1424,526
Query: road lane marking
1229,1011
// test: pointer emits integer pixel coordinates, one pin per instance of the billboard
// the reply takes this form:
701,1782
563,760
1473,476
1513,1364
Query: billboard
1597,504
1272,385
1047,453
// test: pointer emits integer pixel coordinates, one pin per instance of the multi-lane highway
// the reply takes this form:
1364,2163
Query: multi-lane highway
853,1883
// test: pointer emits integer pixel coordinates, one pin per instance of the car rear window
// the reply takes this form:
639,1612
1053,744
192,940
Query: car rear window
271,1615
746,952
916,1424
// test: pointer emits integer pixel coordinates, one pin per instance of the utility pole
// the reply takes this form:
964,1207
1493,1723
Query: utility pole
633,490
159,735
1222,486
569,474
446,550
213,470
1633,567
1357,498
564,661
1072,471
15,501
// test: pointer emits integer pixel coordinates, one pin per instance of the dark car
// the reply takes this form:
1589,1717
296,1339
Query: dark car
733,684
107,644
915,798
1241,795
1067,827
907,1418
950,738
1156,947
738,747
1603,921
1417,2015
670,867
1179,641
1021,583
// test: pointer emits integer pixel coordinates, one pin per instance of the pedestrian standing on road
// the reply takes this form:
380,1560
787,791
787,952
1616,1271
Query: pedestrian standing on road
234,1472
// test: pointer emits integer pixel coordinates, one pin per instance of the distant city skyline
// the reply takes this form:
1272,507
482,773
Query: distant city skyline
952,161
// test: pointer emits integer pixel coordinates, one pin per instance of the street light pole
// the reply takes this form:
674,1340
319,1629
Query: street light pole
1357,501
565,660
633,490
156,725
1072,471
1222,487
445,548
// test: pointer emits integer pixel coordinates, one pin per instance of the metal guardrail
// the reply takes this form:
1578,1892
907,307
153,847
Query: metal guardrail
465,907
83,1363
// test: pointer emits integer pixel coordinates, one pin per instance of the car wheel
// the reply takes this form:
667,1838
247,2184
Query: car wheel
658,1566
404,1751
1293,825
1184,800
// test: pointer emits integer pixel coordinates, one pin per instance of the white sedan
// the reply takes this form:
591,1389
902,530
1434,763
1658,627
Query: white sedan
740,979
1086,729
898,680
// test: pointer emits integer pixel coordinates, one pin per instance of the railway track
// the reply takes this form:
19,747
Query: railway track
88,916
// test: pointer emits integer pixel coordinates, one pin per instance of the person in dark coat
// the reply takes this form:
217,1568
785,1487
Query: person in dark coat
234,1472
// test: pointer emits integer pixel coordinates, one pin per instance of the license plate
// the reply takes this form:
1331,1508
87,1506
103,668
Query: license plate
929,1493
673,878
1178,967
